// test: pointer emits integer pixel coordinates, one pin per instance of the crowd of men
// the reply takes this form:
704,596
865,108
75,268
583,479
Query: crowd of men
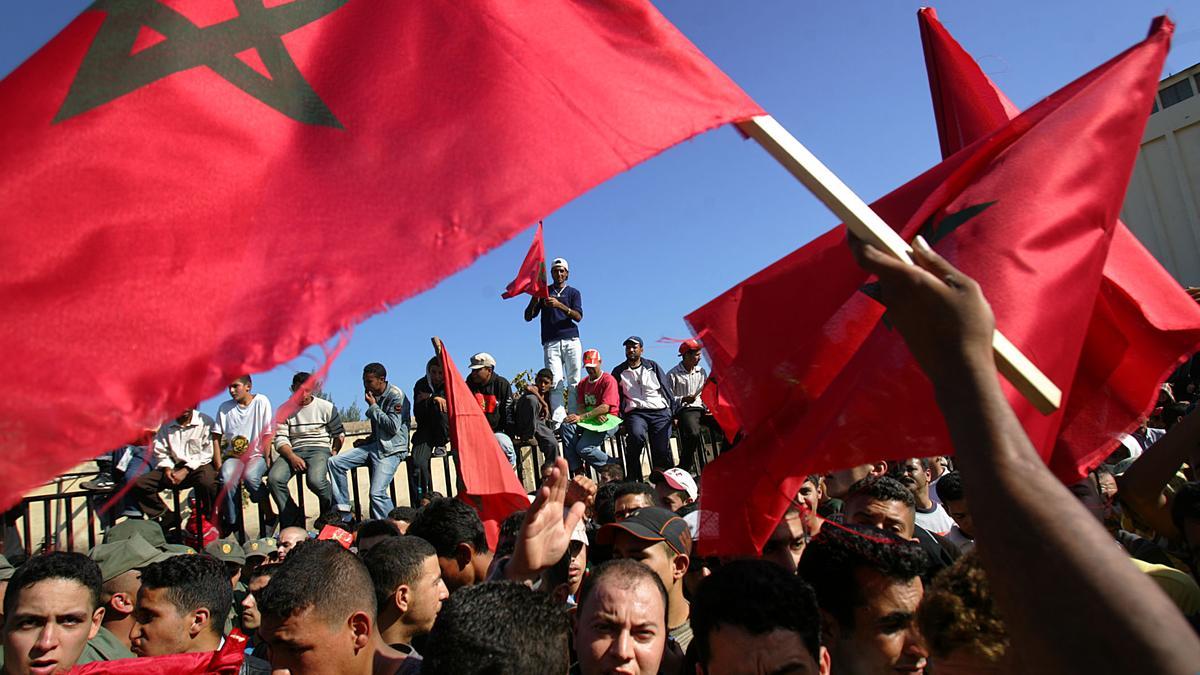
909,564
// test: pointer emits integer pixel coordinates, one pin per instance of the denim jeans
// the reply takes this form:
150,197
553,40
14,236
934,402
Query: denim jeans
255,468
382,470
564,358
584,445
317,477
506,445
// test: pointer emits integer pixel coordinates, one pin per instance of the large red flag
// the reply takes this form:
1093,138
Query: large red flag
531,278
489,482
191,193
1143,321
1028,210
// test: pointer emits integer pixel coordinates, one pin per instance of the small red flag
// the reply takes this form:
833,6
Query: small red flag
531,278
1143,322
1012,211
238,167
489,483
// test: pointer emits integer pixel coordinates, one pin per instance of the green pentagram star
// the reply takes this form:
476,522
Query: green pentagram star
110,70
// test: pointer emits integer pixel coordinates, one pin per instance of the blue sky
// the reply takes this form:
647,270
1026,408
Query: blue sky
647,247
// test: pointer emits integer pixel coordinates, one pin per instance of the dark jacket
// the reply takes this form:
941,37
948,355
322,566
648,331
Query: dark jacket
495,398
663,381
433,425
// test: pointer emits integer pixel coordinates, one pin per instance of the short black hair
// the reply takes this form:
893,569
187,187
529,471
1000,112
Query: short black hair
949,487
883,489
498,628
321,575
544,372
265,570
395,562
832,557
299,379
510,527
1185,505
381,527
626,571
606,502
245,379
446,523
759,597
405,513
634,487
192,582
75,567
375,369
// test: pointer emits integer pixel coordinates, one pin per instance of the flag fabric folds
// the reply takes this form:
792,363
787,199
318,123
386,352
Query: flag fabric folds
225,661
1143,321
191,194
489,483
531,278
1028,210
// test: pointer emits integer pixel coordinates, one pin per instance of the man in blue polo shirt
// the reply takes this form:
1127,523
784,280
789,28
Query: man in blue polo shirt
561,314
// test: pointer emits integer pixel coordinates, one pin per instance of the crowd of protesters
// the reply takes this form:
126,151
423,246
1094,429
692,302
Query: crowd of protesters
979,563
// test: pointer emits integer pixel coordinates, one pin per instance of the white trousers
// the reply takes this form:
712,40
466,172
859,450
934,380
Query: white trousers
564,358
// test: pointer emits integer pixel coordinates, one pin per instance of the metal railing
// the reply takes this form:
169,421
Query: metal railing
71,520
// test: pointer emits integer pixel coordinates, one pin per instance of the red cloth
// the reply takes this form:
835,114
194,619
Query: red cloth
225,661
1028,211
173,219
531,278
720,408
591,393
489,483
1143,321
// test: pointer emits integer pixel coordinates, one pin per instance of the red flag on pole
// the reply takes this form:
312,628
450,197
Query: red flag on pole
1143,322
1010,210
531,278
489,483
229,165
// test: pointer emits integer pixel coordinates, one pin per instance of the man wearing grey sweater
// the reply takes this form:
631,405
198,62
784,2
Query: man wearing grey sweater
304,443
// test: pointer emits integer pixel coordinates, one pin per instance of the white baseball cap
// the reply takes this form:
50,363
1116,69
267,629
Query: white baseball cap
678,479
560,262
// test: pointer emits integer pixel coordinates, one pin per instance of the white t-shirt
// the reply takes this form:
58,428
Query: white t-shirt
251,421
936,520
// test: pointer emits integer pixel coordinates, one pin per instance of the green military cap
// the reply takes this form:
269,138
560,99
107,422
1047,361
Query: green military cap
148,529
118,557
227,550
179,549
6,569
261,547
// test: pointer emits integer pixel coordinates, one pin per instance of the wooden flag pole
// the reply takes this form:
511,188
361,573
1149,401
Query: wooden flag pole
868,226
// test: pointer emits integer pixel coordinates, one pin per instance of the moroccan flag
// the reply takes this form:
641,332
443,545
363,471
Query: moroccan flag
489,483
1028,211
531,278
195,190
1143,322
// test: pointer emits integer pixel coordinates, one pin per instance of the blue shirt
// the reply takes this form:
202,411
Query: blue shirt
556,325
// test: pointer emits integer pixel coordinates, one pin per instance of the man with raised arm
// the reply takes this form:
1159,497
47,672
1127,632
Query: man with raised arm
1120,622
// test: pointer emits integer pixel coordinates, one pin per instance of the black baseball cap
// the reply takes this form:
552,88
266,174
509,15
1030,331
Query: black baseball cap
650,524
634,339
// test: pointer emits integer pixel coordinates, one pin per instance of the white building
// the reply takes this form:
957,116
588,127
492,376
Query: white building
1162,207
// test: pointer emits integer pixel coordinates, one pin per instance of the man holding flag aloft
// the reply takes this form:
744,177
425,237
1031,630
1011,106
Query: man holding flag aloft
561,313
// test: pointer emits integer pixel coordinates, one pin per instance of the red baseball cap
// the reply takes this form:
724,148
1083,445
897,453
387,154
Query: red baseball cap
591,358
689,345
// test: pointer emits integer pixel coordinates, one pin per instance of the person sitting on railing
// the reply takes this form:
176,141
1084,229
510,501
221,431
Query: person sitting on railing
183,458
382,451
532,415
494,395
305,441
433,428
244,422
